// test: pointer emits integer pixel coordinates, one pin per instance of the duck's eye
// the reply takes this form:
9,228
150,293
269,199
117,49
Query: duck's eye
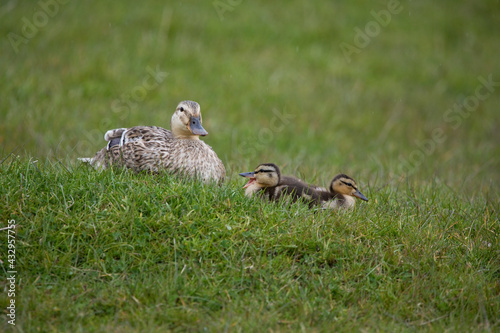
348,184
181,109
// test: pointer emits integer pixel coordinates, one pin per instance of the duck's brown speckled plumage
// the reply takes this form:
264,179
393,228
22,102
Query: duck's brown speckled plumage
155,149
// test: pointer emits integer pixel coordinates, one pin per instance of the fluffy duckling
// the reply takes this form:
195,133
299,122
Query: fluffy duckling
342,193
154,149
267,179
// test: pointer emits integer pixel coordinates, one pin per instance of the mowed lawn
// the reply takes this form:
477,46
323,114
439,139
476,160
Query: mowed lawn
403,96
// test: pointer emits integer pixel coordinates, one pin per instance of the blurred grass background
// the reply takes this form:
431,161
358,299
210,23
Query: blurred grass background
364,117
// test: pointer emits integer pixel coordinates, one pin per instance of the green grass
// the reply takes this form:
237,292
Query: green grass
118,251
115,251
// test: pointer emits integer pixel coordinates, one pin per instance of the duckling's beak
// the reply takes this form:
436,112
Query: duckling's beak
250,175
195,126
360,195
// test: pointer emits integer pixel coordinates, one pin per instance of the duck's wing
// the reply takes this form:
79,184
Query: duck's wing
145,134
295,189
129,146
322,192
318,188
114,137
114,133
141,148
103,158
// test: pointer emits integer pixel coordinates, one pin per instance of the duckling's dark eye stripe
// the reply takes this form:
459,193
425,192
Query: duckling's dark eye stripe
263,171
348,184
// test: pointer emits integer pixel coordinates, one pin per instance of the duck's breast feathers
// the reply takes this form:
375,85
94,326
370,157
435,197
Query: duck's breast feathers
272,193
209,163
193,157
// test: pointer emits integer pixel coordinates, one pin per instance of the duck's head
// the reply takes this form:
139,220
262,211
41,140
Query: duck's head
345,185
265,175
186,121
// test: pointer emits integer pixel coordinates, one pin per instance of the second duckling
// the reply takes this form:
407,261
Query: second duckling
267,179
342,193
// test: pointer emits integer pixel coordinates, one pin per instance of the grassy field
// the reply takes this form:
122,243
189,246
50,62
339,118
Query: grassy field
399,95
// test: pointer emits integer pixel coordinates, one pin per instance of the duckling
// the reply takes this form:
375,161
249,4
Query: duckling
341,193
267,179
154,149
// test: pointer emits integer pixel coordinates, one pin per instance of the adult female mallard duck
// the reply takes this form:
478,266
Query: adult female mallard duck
341,193
267,179
154,149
